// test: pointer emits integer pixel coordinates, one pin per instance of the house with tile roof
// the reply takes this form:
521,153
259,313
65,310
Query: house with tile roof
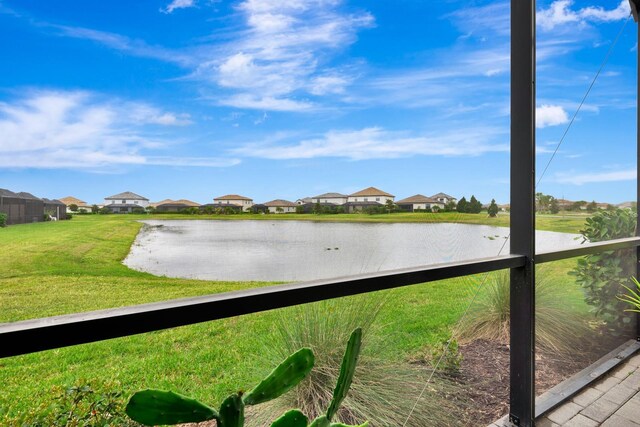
234,200
444,198
419,202
70,200
280,206
333,198
169,205
370,194
125,202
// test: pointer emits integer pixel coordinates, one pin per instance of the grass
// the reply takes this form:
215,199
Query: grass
62,267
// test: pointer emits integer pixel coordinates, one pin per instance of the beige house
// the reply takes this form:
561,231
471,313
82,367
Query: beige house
444,198
126,202
234,200
81,204
370,194
333,198
419,202
281,206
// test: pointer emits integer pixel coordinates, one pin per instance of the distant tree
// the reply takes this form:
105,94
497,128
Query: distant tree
389,206
450,206
73,207
554,207
592,207
493,208
543,202
317,209
299,209
610,207
82,211
279,209
474,205
463,205
94,209
577,206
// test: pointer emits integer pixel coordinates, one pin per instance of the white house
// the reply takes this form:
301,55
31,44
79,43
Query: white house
419,202
444,198
125,202
281,206
333,198
234,200
370,194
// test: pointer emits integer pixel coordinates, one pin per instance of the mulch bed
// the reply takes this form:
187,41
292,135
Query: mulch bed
484,375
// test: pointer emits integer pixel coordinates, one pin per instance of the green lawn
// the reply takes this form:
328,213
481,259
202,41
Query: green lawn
70,266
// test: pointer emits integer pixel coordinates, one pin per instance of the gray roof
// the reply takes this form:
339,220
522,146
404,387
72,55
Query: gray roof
442,195
7,193
331,196
26,195
127,195
418,198
53,201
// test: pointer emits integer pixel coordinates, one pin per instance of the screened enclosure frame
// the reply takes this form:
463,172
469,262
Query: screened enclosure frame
23,337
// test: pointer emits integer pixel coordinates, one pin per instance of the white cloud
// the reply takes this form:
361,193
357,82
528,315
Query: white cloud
178,4
377,143
580,179
282,52
560,13
82,131
550,115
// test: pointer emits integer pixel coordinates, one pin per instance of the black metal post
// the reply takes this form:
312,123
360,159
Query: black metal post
522,317
634,9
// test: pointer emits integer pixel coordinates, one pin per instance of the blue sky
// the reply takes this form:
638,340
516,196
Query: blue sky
271,99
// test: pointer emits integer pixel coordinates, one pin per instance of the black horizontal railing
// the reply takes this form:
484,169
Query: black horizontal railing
48,333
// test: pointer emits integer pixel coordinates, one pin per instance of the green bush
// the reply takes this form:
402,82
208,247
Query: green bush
604,275
84,404
3,219
69,215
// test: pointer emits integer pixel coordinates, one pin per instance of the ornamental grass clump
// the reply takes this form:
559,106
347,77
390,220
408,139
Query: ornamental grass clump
632,299
559,327
384,391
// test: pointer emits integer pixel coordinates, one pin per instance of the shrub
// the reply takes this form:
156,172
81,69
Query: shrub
3,219
558,328
604,275
69,215
383,391
632,298
83,404
493,208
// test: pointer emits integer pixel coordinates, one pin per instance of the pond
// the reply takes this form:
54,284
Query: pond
305,250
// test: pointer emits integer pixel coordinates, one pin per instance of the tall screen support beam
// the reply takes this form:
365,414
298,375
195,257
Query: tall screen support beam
523,98
635,7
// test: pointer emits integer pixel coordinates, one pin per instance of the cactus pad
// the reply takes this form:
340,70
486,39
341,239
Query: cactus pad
347,370
283,378
321,421
157,407
292,418
231,412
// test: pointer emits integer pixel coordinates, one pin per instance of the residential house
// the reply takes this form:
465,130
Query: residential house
13,206
280,206
168,205
333,198
125,202
231,200
81,204
444,198
419,202
34,207
370,194
304,201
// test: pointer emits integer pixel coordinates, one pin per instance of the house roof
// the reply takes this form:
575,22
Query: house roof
7,193
279,203
371,191
52,201
69,200
233,197
435,196
330,196
127,195
182,202
418,198
26,195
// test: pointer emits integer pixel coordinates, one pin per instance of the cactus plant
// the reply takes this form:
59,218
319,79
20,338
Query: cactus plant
347,370
156,407
292,418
